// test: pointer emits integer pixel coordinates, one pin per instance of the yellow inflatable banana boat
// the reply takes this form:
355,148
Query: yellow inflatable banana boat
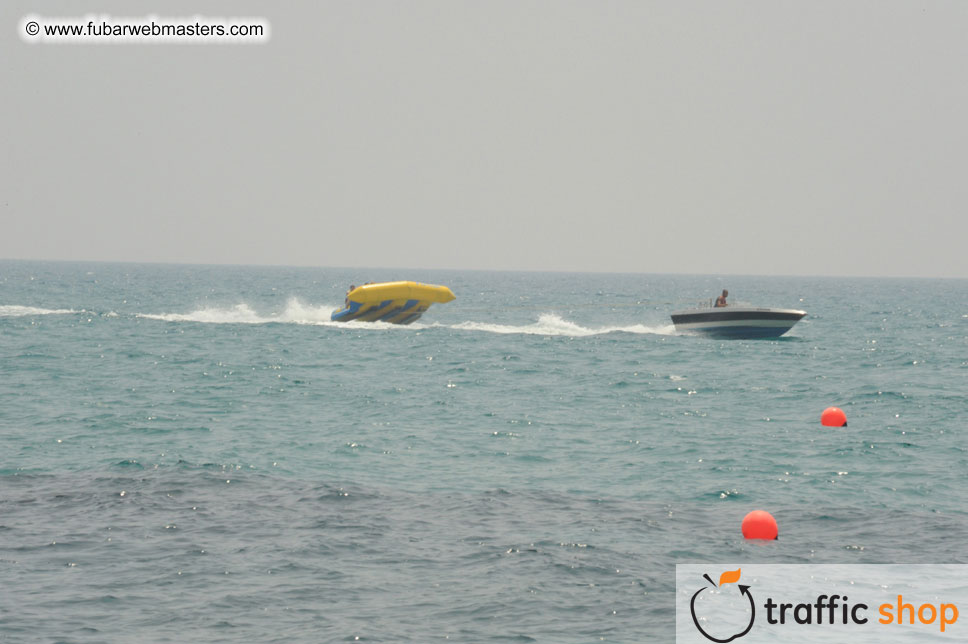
395,302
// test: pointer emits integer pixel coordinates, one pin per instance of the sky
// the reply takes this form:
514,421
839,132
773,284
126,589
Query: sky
719,137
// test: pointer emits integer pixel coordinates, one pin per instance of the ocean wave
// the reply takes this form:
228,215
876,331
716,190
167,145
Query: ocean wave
15,311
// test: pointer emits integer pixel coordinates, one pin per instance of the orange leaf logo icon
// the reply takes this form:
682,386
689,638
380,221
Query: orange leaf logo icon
729,577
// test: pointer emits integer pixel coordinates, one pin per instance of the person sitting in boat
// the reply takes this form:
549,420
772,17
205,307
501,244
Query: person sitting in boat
352,286
721,300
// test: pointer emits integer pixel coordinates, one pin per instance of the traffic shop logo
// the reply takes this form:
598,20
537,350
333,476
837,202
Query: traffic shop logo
728,577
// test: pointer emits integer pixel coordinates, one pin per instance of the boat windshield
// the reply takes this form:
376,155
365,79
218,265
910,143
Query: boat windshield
711,304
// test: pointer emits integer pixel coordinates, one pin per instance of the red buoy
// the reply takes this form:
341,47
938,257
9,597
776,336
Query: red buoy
760,524
833,417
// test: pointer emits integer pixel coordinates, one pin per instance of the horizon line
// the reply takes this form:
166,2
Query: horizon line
477,270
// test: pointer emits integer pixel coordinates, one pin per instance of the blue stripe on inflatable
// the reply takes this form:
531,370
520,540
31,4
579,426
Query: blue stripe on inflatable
397,311
410,311
373,312
346,313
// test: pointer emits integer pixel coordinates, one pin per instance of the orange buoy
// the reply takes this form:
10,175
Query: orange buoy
833,417
760,524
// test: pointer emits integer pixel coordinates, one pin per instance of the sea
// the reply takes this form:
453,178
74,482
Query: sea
197,454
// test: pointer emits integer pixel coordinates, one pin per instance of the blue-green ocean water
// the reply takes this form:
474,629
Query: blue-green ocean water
197,454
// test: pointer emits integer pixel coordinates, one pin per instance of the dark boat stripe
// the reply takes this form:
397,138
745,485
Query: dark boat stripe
690,318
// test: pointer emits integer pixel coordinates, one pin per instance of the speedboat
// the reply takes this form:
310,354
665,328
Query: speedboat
741,322
394,302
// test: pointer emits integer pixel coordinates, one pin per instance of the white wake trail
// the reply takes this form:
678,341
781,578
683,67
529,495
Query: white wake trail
551,324
15,311
295,313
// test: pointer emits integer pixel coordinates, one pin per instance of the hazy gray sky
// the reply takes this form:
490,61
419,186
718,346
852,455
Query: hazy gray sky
813,138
